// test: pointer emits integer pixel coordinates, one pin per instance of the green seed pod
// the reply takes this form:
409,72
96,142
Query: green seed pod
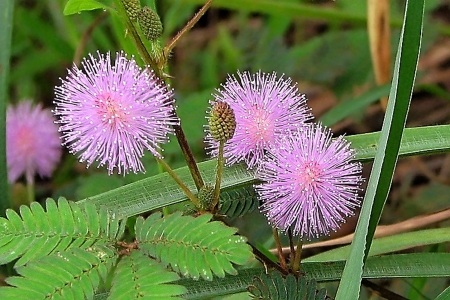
150,23
205,195
222,122
132,8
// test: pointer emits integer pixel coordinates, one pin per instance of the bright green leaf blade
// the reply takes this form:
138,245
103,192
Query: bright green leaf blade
445,295
387,153
186,252
6,21
139,276
415,141
160,190
76,6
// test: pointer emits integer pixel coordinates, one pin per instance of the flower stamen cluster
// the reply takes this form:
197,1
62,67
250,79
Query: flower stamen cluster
110,112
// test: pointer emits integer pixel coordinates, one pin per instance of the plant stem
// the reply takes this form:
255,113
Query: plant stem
279,248
186,28
189,157
291,246
266,261
30,191
298,257
178,180
158,67
218,176
143,52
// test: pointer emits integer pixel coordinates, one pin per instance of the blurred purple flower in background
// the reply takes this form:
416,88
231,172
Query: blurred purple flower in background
266,107
309,182
32,141
111,113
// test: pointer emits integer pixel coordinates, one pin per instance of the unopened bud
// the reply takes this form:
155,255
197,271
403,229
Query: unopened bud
222,122
150,23
205,195
132,8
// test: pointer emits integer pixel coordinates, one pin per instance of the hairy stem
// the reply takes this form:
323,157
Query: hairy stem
280,249
158,67
291,246
218,176
266,261
186,28
298,257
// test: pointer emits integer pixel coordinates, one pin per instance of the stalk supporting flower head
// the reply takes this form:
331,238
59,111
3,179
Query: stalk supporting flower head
112,112
265,107
309,182
32,141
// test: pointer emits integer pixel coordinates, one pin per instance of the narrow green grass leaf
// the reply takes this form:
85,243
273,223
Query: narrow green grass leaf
160,190
389,244
6,21
398,266
387,152
445,295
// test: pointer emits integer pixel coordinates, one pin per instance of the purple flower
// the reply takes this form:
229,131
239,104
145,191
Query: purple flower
111,113
266,107
32,141
309,182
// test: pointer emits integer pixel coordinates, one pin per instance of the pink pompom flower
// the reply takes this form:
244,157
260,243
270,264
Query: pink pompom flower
111,113
32,141
265,107
310,182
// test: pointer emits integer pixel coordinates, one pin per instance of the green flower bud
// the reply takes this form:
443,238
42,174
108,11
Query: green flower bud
222,122
132,8
150,23
206,195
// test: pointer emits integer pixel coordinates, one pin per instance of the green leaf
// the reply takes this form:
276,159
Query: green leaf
444,295
389,244
63,226
137,276
273,286
161,190
6,22
388,150
64,275
237,203
398,265
76,6
187,244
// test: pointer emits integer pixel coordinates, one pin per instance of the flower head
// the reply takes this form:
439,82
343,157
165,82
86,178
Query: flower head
309,182
32,141
112,112
265,108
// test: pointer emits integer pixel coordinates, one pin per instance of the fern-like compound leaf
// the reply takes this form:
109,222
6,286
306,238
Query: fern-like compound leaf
193,247
274,287
237,203
138,276
36,233
72,274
